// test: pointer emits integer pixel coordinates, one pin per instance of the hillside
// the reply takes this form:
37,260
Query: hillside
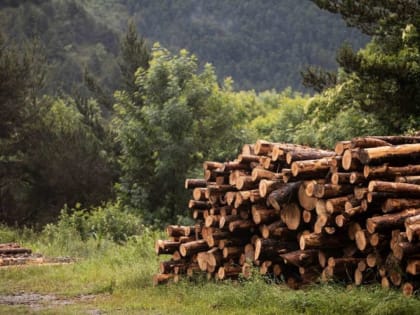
262,45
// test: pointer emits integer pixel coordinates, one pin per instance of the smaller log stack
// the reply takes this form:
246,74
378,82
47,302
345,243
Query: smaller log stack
14,254
304,215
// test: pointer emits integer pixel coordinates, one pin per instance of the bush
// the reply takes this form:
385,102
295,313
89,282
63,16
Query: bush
109,222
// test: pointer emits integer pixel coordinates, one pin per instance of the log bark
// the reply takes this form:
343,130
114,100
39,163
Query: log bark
390,221
285,194
337,204
262,215
404,152
398,204
317,241
368,142
350,161
402,189
341,146
307,202
408,179
194,247
191,183
301,258
313,168
339,178
267,186
387,171
330,191
307,154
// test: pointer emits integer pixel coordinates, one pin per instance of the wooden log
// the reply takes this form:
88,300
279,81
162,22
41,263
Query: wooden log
240,225
199,205
261,215
367,142
248,149
291,215
396,140
267,186
402,189
179,230
268,248
162,278
361,238
307,154
389,153
330,191
193,247
285,194
235,174
412,231
248,158
350,160
314,168
408,288
191,183
390,221
211,165
341,220
398,204
390,172
301,258
307,202
341,146
337,204
245,183
413,267
360,192
357,178
169,266
406,249
233,242
234,165
261,173
408,179
229,271
339,178
263,147
316,241
165,247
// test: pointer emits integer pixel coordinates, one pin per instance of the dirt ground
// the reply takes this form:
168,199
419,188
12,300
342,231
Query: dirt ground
36,301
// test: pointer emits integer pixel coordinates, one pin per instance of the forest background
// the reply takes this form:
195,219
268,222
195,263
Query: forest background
107,106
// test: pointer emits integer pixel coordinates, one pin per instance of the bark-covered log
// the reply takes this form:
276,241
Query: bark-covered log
390,221
285,194
402,189
404,153
398,204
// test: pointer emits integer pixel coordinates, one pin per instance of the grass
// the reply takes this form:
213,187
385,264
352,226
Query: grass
116,279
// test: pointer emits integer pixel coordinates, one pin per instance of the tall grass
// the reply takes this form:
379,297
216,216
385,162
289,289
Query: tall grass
119,275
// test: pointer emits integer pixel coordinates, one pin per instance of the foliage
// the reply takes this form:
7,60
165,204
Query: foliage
178,116
263,45
382,80
107,222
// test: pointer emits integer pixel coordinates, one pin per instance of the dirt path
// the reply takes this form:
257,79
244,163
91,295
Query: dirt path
37,301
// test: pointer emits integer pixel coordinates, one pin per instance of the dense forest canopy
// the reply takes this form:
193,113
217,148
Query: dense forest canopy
95,114
262,45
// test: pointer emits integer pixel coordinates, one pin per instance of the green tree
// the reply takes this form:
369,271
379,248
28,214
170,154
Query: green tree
134,54
383,79
178,116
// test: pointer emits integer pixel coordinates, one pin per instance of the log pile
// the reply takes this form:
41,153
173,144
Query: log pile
12,254
304,215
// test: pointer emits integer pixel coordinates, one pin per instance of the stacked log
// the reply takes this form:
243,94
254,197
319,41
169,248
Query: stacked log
304,215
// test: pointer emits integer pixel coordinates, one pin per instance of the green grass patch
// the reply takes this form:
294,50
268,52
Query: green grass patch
117,279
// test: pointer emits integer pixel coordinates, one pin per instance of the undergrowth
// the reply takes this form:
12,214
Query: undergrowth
119,272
